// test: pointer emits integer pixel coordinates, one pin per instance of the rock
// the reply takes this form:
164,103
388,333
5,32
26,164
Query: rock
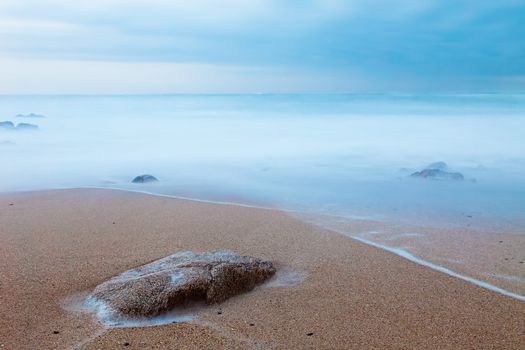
26,126
181,278
7,125
438,174
30,115
438,171
144,179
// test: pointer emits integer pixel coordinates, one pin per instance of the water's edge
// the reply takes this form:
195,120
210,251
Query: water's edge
397,251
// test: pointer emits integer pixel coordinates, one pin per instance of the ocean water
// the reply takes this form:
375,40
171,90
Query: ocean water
350,155
343,155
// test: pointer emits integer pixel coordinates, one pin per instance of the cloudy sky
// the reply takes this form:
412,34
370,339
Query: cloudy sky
160,46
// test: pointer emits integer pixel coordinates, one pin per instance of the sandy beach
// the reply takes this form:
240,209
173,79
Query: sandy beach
57,246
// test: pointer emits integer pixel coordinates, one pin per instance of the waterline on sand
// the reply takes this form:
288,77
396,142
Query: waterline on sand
404,254
400,252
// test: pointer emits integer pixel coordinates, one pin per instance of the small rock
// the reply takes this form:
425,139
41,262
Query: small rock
56,332
252,324
125,343
310,334
219,312
26,126
144,179
7,125
30,115
438,174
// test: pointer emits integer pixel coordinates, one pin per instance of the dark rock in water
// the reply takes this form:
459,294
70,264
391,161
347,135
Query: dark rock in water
26,126
438,174
144,179
181,278
30,115
437,165
7,125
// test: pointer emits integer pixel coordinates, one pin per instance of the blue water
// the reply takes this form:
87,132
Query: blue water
344,154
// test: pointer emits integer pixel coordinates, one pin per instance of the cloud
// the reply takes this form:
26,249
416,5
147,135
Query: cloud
426,40
27,76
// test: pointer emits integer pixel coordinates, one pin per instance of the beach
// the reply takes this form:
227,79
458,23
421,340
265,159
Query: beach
58,245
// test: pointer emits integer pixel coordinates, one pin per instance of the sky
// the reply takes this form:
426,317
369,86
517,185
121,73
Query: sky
163,46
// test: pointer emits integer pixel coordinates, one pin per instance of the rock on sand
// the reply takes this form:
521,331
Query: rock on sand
178,279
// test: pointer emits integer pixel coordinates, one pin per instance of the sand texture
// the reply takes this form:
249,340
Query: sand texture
57,246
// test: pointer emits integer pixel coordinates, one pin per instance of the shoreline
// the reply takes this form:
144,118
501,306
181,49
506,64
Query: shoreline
518,294
391,249
62,242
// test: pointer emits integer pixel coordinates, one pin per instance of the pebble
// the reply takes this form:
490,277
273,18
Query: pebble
125,343
219,312
310,334
56,332
252,324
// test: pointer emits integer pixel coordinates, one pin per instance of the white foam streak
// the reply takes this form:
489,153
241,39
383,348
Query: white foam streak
410,257
110,318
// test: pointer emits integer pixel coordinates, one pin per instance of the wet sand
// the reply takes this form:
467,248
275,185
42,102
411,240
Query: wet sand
58,245
493,256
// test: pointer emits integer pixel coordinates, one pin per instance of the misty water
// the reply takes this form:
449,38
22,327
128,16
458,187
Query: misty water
349,155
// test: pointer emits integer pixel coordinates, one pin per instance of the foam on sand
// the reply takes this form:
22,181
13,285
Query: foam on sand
408,256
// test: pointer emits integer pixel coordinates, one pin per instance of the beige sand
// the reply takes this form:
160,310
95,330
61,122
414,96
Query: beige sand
489,255
59,244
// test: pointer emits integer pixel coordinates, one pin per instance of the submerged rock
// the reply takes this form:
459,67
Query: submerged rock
438,174
26,126
144,179
7,125
178,279
30,115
